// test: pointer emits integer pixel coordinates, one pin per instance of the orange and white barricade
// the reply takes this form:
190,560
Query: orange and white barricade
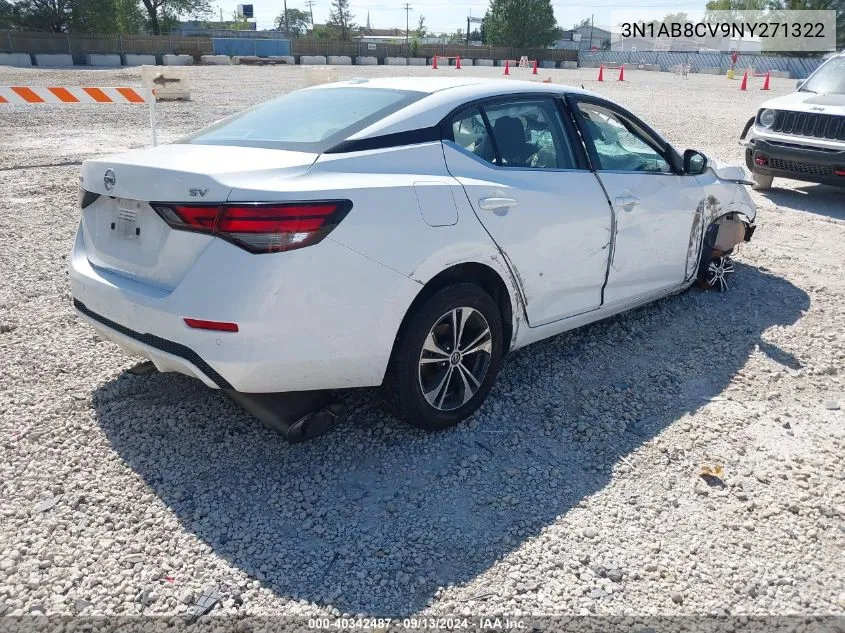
38,95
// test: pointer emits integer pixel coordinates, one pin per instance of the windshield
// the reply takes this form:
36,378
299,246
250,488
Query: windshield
306,120
828,79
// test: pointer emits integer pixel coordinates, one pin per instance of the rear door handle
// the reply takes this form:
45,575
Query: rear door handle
627,202
490,204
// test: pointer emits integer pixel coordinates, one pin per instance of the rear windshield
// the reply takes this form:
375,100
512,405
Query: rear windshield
306,120
829,79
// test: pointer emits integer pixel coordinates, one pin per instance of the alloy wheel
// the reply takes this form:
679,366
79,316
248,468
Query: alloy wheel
717,272
455,358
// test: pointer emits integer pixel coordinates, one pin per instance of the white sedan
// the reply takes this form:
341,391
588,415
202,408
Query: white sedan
397,232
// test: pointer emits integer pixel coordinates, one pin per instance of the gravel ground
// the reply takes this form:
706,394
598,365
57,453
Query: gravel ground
575,489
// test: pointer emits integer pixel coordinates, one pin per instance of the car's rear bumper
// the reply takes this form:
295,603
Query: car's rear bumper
166,355
796,161
307,321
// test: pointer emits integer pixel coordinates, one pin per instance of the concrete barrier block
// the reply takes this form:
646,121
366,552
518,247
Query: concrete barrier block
547,63
312,60
178,60
782,74
339,60
216,60
711,70
97,59
139,60
396,61
283,59
416,61
52,59
19,60
483,62
502,62
366,61
569,65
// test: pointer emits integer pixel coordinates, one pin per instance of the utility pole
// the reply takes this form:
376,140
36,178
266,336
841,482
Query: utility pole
287,29
310,4
591,32
408,10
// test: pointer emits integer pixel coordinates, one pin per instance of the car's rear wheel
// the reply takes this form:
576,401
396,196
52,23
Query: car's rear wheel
762,182
446,358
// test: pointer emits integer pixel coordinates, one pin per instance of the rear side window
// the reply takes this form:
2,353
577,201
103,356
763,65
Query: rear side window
306,120
525,134
470,132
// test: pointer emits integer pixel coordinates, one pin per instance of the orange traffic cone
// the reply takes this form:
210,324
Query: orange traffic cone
534,72
458,63
622,73
507,67
744,84
434,63
601,72
766,81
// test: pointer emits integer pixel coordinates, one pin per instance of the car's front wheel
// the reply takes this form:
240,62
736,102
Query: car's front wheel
446,358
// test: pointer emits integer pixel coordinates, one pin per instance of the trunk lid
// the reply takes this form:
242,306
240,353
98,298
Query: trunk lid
123,234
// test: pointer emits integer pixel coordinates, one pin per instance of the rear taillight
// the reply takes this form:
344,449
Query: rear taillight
259,227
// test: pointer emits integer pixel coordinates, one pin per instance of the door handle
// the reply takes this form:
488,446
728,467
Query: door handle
627,202
490,204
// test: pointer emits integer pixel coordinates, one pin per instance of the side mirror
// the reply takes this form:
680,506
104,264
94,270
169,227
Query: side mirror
799,83
694,162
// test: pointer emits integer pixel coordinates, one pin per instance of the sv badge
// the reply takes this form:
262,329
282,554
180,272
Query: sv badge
198,193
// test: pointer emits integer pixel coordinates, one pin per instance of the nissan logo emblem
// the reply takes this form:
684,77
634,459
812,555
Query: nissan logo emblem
109,179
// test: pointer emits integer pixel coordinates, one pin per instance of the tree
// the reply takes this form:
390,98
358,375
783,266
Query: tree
239,23
760,6
836,5
161,14
340,19
298,22
8,18
43,15
584,22
129,16
421,28
520,23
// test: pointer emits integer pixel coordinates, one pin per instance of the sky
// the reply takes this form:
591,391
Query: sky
446,15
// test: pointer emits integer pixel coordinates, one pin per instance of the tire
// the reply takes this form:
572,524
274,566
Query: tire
458,384
762,182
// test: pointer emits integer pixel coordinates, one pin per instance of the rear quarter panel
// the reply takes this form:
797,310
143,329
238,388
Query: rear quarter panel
386,223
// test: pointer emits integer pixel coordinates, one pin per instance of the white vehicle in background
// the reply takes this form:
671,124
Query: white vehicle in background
801,135
397,232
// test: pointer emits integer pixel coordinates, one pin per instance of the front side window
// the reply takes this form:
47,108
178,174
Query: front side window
306,120
619,145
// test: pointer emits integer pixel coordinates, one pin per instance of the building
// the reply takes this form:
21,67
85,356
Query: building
201,27
584,38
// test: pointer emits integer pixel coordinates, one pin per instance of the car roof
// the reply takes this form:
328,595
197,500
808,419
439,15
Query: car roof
442,95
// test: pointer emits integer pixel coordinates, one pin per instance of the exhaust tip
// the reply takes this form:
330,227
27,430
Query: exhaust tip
316,423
